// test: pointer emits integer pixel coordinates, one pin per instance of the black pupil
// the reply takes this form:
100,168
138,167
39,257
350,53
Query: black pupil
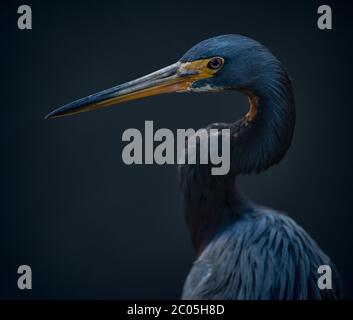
215,63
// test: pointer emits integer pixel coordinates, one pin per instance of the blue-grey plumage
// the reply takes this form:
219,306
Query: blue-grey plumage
263,255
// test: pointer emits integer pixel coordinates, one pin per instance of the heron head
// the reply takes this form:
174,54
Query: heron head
215,64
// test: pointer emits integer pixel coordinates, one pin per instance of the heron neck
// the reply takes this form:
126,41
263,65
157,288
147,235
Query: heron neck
210,204
258,140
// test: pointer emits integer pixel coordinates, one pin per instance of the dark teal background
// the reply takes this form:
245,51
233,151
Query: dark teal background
92,227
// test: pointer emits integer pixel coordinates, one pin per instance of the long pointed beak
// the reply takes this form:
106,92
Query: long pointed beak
175,78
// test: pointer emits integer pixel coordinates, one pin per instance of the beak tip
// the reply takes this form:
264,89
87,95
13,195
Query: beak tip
55,114
49,116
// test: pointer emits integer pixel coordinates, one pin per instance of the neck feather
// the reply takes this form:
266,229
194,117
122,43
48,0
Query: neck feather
262,137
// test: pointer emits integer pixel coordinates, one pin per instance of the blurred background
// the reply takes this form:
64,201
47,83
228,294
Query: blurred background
93,228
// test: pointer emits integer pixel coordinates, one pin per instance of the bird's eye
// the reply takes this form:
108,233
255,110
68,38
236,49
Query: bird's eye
215,63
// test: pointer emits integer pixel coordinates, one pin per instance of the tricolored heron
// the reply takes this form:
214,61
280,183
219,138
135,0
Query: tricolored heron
244,251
